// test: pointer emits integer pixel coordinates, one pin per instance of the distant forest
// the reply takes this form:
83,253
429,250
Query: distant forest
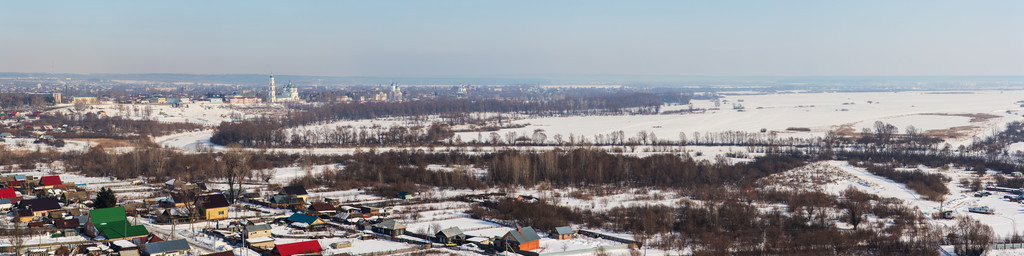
594,104
268,132
18,101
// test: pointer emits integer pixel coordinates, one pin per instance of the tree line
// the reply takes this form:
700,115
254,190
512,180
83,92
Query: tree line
17,101
635,102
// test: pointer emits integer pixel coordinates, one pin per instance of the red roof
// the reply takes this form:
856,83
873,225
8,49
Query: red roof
152,238
15,183
51,180
7,193
311,246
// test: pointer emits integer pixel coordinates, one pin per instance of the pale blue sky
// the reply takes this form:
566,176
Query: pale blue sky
484,38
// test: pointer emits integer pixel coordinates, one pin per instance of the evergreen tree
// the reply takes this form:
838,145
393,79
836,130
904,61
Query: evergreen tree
105,199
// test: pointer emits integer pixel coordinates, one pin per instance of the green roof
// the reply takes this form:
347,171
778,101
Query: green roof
107,215
122,229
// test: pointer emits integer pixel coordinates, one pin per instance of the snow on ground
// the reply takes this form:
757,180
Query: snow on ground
818,111
549,245
284,175
25,144
1015,147
465,224
920,121
588,199
362,246
1005,252
198,113
346,196
489,232
835,176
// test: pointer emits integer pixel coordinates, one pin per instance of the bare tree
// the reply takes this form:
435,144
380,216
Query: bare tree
236,168
539,137
970,237
266,174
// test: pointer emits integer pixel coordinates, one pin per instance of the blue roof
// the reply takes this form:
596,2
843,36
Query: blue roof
167,246
304,218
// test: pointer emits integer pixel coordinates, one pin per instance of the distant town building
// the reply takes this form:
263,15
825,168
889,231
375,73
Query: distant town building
87,100
396,93
244,100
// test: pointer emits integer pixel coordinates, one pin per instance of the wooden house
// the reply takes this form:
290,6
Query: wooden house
214,207
524,239
112,223
167,248
389,227
311,247
450,236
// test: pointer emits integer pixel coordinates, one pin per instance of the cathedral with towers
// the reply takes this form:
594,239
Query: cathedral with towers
290,93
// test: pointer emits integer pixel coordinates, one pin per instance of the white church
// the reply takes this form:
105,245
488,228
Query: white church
290,93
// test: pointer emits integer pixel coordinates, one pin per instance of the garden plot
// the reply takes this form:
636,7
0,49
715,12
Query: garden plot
26,144
466,224
362,246
284,175
549,245
489,232
591,200
346,196
197,113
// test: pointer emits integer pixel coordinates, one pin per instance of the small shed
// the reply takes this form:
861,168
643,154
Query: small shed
563,233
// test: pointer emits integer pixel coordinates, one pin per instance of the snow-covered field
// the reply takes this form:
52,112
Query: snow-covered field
198,113
819,112
776,112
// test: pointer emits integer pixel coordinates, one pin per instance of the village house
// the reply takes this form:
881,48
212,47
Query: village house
70,197
258,236
51,182
311,247
295,191
5,204
523,239
24,216
305,220
214,207
167,248
40,207
68,227
450,236
224,253
124,248
322,208
8,193
112,223
389,227
263,242
257,230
